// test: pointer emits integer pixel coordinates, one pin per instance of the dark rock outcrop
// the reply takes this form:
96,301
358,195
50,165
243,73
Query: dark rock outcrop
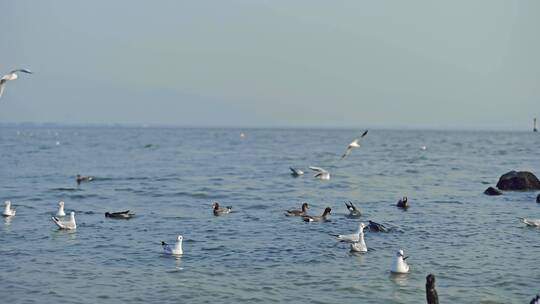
522,181
492,191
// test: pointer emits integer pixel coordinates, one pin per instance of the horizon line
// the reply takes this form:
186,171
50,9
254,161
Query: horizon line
247,127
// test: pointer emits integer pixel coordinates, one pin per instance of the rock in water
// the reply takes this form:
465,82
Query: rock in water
521,180
492,191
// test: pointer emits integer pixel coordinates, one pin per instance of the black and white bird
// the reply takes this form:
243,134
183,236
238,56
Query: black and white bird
353,211
355,144
220,210
10,76
296,172
125,215
318,218
403,203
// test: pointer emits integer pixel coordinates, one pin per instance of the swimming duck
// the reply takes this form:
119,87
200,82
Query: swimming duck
360,245
81,179
120,215
403,203
353,211
376,227
399,265
60,212
176,250
316,218
296,172
67,225
302,212
353,237
219,211
8,211
431,292
535,300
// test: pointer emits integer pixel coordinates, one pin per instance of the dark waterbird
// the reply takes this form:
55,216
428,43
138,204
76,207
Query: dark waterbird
431,292
403,203
535,300
219,211
120,215
302,212
318,218
353,211
376,227
81,178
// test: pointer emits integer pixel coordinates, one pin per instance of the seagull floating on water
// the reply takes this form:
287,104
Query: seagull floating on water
355,144
67,225
302,212
353,211
321,173
360,245
60,212
8,211
120,215
296,172
219,211
403,203
10,76
399,265
530,222
318,218
176,250
353,237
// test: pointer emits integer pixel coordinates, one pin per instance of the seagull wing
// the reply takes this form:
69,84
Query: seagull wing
21,70
321,170
2,85
347,152
58,222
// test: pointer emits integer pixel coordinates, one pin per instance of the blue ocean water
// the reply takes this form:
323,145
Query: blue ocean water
473,243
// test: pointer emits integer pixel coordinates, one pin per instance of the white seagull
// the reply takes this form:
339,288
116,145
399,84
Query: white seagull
399,265
321,173
60,212
360,245
176,250
8,211
67,225
354,237
10,76
530,222
355,144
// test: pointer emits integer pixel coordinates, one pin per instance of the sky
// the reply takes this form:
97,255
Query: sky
336,64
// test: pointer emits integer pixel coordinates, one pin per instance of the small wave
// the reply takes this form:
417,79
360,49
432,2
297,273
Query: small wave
65,189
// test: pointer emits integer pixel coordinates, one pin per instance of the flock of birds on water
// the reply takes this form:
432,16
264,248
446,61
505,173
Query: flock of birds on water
399,264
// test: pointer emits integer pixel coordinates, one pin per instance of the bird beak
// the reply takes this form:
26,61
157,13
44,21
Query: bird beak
404,258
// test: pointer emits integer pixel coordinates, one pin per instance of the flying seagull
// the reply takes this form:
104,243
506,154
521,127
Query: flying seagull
10,76
353,145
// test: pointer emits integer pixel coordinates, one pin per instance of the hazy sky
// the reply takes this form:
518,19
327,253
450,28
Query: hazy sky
435,64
